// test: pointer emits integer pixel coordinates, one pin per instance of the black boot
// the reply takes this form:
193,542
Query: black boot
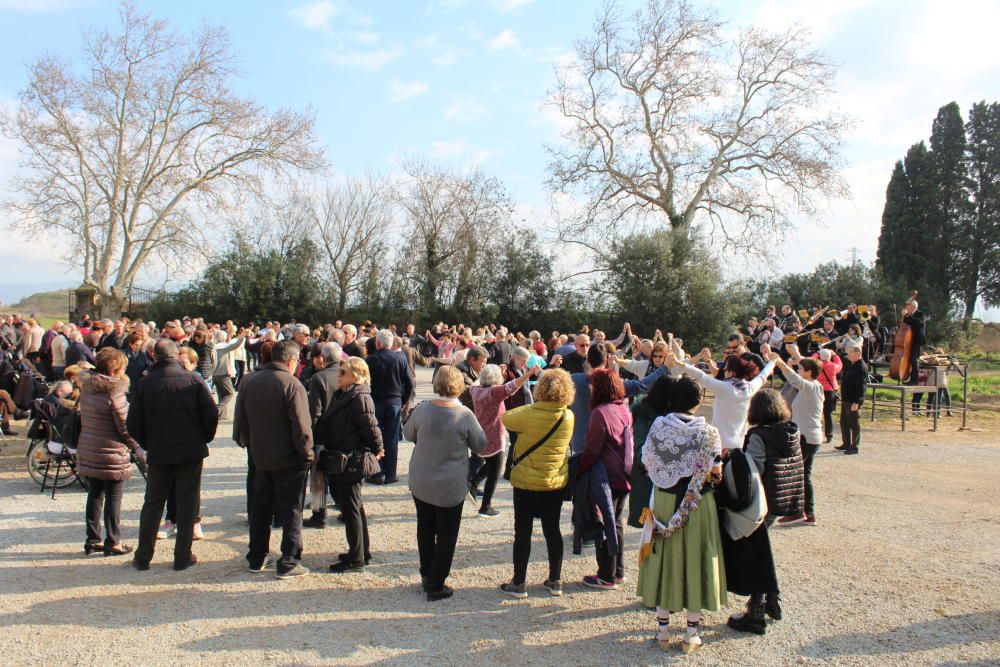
752,620
317,520
772,606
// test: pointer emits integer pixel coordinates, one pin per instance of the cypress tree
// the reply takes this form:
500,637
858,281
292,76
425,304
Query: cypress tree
979,254
892,221
950,202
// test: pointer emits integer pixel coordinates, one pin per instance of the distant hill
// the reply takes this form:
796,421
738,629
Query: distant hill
49,305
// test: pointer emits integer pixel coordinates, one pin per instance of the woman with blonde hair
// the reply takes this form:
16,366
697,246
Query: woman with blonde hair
443,431
539,472
350,430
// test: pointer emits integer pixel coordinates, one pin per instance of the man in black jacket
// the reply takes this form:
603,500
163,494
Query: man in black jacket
322,386
272,422
914,317
392,387
173,417
852,391
575,361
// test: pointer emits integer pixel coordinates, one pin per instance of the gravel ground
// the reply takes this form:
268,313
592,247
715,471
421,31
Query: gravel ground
901,570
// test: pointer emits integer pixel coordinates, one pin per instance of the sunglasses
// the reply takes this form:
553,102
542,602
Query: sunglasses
659,356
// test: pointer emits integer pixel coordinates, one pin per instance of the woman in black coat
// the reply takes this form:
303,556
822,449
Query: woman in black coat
349,427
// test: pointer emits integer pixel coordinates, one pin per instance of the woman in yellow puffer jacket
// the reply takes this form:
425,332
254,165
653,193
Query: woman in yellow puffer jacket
540,474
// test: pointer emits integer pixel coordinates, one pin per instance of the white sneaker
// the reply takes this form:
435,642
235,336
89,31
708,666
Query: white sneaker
198,534
692,642
166,530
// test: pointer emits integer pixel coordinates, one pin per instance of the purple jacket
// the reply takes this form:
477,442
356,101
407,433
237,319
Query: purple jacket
609,438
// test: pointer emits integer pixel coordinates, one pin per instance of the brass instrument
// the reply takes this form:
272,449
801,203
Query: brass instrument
816,316
791,338
819,338
864,314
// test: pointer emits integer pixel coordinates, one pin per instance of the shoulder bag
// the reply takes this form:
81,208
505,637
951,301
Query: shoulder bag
513,461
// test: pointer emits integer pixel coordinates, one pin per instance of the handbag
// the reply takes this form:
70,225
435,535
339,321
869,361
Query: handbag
513,461
332,461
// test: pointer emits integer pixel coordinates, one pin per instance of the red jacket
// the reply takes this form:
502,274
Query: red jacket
828,375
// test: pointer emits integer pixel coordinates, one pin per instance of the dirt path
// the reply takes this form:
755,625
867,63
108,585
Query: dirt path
901,570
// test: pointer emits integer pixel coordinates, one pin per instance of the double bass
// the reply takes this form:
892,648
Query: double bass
899,366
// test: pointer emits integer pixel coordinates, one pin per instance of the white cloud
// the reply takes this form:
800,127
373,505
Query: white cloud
463,110
373,60
363,37
505,40
320,14
452,5
316,15
426,42
447,149
510,5
444,59
404,90
40,6
459,151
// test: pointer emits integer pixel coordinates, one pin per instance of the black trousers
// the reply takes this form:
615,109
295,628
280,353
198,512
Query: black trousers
547,506
850,426
808,456
829,407
355,518
490,472
437,535
241,367
611,565
277,492
182,481
104,496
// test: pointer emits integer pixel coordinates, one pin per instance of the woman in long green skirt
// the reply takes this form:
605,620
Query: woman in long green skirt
680,556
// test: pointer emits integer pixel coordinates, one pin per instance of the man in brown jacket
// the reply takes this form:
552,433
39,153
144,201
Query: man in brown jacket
272,421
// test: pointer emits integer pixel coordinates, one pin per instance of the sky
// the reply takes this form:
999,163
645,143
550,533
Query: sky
463,82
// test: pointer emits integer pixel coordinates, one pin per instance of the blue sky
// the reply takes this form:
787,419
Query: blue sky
463,82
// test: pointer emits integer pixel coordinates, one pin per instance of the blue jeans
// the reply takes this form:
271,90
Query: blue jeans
388,416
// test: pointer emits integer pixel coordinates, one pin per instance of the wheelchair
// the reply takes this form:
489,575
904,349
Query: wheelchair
51,459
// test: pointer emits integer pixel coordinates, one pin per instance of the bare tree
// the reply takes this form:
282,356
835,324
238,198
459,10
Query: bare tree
430,205
353,224
457,224
668,116
120,152
484,210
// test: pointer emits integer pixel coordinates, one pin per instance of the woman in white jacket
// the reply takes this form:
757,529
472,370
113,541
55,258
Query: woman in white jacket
807,413
732,395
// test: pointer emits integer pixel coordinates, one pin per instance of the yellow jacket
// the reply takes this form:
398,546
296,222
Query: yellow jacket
546,468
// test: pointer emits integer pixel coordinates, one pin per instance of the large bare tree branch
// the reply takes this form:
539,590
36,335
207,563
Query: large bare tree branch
120,150
669,118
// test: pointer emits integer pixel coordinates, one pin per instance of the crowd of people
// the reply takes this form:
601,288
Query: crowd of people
608,426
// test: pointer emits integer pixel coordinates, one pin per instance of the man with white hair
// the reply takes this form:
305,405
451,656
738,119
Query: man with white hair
852,390
914,317
350,344
392,387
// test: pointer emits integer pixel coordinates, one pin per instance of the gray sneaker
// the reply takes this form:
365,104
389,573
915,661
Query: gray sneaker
268,564
514,590
299,570
553,587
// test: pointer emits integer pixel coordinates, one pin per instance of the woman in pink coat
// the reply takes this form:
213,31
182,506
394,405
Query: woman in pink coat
488,400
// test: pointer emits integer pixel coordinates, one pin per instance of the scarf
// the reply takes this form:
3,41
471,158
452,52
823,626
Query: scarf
677,446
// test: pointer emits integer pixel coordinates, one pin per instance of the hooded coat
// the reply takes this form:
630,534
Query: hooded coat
104,447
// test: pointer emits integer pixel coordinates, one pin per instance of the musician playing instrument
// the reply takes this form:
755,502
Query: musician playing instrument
848,318
914,317
789,319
